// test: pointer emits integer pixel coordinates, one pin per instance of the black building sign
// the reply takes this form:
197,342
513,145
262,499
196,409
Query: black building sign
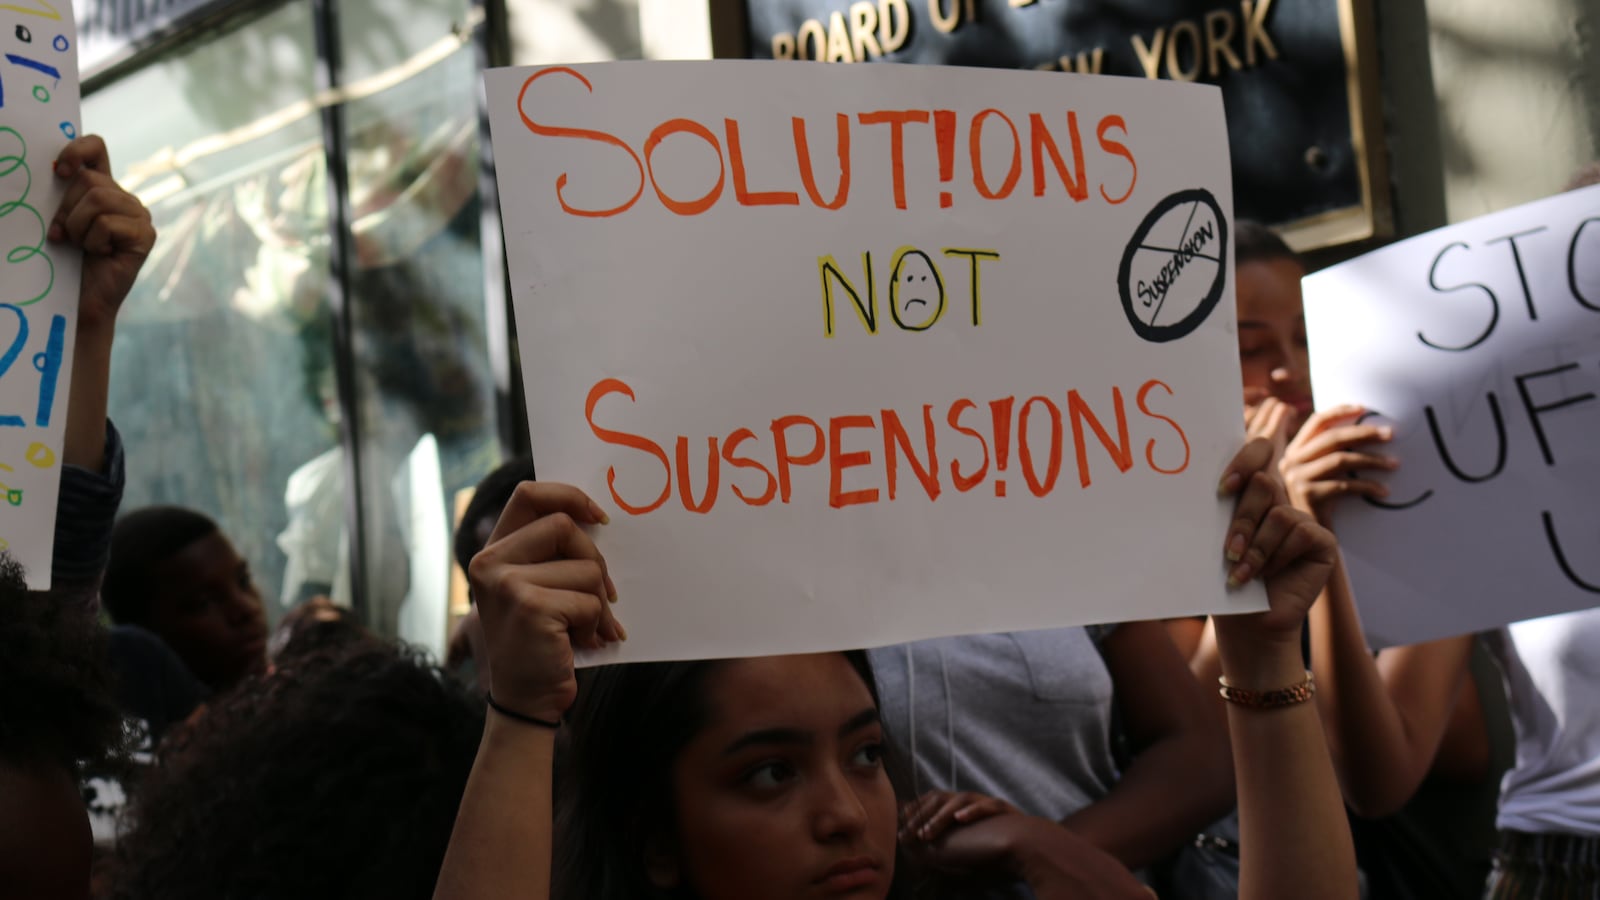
1297,78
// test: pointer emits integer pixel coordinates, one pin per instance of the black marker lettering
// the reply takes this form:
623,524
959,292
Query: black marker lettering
1494,302
1500,435
1534,410
1561,558
1572,265
1516,257
1384,504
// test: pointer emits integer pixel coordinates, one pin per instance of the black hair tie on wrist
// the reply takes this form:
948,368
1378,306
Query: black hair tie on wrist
513,714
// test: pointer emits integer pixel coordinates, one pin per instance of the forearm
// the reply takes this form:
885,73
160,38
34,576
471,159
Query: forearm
86,510
501,844
84,440
1379,753
1172,790
1294,838
1057,867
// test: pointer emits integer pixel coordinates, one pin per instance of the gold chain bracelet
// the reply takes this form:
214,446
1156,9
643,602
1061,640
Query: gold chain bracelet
1273,699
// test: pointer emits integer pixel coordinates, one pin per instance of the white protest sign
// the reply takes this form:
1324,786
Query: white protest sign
38,278
1480,343
859,355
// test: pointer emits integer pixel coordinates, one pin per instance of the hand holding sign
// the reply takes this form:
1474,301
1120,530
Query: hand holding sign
114,231
543,591
111,226
1271,540
1328,456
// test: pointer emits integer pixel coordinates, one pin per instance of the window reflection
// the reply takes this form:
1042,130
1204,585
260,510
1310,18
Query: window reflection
225,378
221,382
426,394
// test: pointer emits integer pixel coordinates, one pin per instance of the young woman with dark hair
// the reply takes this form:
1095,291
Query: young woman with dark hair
1397,716
765,777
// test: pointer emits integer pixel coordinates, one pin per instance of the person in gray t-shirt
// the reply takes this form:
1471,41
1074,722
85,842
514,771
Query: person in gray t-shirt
1033,718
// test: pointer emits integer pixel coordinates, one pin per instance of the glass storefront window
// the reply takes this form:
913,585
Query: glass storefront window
425,393
222,381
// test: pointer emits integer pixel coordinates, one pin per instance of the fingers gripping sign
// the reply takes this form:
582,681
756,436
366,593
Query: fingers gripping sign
1330,457
542,591
112,227
1272,540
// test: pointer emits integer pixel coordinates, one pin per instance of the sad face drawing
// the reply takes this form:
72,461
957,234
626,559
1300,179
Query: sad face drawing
916,292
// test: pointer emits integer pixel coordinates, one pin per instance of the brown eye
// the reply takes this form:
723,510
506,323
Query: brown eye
770,775
869,756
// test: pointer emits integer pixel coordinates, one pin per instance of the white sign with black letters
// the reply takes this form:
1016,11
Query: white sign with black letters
1480,343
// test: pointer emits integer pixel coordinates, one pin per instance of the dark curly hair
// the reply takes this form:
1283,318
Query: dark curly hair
489,499
338,776
56,704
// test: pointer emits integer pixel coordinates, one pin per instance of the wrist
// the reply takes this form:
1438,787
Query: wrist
1260,664
1054,861
1034,848
95,331
540,721
504,733
510,704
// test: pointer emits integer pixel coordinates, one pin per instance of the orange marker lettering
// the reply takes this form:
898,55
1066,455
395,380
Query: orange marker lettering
1039,135
1116,148
1150,447
1121,453
713,476
786,460
838,461
894,435
975,148
623,439
742,191
896,119
581,134
808,178
684,126
1052,471
729,448
962,482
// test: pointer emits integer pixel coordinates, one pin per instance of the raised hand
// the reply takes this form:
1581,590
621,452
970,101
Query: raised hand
111,226
1272,540
542,589
1326,459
